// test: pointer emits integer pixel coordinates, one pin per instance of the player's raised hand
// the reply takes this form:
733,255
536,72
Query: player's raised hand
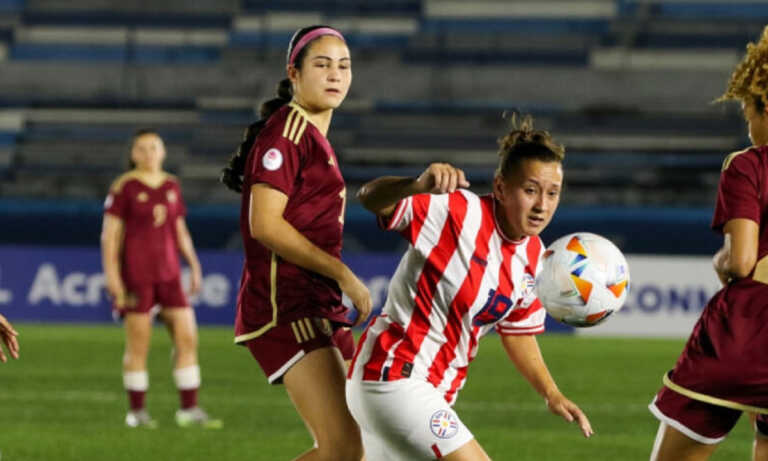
358,293
561,406
8,335
441,178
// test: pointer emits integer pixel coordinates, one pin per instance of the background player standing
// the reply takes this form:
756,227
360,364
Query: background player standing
723,370
289,311
144,230
470,267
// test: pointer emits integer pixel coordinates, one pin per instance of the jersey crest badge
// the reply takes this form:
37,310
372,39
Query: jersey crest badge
272,159
171,196
444,424
142,197
529,284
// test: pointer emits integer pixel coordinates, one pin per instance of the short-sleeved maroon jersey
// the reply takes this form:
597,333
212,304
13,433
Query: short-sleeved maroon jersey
743,193
150,251
291,155
725,354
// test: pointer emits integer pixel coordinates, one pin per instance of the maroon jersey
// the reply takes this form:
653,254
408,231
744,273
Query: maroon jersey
291,155
725,355
150,251
743,193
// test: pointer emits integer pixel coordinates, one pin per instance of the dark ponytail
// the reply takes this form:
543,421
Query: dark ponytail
523,141
232,174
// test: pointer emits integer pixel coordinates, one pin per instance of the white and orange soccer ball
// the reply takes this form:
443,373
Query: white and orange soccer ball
584,279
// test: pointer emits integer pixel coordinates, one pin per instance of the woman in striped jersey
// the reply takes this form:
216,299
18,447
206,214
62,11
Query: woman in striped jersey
470,267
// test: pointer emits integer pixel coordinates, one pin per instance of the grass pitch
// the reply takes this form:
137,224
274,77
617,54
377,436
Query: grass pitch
63,400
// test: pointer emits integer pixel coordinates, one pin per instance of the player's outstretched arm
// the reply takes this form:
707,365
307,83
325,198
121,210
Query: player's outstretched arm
382,194
267,225
8,335
524,352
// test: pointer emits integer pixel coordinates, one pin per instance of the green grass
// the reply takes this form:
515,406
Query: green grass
63,400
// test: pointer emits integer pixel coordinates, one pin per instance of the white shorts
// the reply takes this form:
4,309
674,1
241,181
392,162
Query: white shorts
404,420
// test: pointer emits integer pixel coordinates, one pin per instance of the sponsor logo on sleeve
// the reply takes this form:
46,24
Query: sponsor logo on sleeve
108,202
444,424
272,159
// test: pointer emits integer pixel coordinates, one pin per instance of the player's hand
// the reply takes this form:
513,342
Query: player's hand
720,260
561,406
441,178
358,293
195,281
8,335
116,290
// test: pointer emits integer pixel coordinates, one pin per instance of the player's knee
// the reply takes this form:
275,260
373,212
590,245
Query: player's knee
185,342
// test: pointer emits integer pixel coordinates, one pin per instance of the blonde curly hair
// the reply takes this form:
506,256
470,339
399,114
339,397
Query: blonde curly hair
749,81
524,141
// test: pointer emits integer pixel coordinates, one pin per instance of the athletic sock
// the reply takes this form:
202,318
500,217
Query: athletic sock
136,384
187,382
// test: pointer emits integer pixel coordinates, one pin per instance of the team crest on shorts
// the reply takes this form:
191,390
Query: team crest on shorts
272,160
444,424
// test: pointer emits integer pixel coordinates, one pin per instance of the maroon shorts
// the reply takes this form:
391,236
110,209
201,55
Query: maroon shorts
142,298
724,359
284,345
700,421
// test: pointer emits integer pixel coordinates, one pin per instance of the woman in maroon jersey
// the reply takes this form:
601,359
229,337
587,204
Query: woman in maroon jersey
289,311
144,230
723,370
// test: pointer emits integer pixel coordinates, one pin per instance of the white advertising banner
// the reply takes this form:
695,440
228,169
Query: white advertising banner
666,297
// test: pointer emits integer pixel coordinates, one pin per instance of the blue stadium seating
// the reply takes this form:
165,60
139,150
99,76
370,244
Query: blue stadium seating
430,84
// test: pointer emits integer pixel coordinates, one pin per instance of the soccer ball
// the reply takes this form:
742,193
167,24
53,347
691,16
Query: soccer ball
584,279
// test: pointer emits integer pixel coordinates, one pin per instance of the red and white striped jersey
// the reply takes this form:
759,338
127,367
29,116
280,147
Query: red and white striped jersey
459,278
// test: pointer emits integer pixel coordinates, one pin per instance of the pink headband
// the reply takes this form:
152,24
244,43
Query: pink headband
311,36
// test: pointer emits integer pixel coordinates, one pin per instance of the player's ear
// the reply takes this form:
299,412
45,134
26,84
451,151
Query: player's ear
292,73
498,187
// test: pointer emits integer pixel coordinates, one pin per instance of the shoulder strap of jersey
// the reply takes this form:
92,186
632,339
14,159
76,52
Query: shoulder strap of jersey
731,156
117,184
295,123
